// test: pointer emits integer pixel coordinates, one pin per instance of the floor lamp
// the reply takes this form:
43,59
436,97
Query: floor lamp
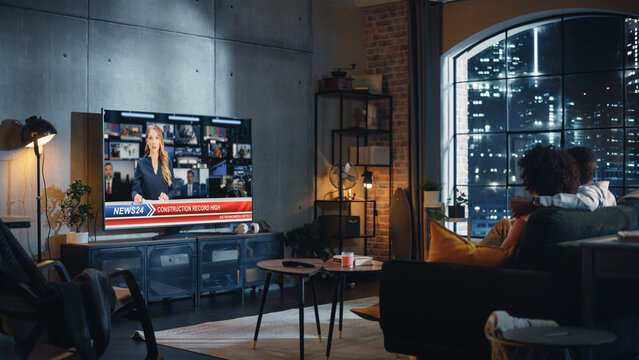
35,133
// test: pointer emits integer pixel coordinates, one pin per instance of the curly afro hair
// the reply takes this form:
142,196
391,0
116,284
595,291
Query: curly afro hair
586,163
547,171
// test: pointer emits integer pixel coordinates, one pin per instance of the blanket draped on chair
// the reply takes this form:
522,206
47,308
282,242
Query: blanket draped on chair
74,312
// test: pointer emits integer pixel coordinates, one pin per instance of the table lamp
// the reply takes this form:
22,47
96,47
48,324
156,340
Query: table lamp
35,133
368,179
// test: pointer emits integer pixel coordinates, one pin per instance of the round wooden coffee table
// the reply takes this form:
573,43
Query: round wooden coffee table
340,273
275,266
577,340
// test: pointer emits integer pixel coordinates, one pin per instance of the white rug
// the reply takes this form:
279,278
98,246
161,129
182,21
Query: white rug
279,336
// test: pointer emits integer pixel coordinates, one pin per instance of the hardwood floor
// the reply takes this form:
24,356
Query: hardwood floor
181,312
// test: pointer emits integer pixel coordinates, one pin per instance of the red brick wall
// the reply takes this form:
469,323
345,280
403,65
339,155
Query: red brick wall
386,53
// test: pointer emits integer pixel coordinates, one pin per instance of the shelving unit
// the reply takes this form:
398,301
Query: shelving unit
359,129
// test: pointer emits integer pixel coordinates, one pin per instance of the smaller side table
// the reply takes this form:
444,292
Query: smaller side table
605,257
275,266
578,341
338,294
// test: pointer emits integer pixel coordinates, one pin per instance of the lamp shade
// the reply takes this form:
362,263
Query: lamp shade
36,128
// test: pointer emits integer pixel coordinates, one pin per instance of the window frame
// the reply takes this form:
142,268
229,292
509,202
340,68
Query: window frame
449,85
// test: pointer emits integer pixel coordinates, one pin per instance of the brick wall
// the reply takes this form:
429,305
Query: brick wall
386,53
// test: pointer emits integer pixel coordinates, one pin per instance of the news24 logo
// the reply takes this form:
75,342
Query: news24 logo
128,210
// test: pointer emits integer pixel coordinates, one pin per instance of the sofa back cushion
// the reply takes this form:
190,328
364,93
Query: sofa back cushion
548,226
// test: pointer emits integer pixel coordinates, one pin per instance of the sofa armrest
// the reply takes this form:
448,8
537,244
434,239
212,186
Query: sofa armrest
427,308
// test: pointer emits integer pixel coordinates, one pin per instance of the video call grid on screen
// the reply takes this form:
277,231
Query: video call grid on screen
215,151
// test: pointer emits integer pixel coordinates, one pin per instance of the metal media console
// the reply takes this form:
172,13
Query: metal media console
173,268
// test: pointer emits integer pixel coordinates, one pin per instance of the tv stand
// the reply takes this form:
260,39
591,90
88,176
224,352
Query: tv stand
176,266
216,233
175,236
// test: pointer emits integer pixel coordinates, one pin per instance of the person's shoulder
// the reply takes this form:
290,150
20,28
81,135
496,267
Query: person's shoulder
593,186
603,186
144,160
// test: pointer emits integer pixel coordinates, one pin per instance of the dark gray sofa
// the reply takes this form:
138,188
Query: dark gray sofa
438,311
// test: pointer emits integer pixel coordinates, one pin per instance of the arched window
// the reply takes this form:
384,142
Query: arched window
566,81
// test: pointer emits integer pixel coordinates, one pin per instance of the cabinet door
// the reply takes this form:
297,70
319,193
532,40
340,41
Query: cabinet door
220,265
260,248
126,258
171,270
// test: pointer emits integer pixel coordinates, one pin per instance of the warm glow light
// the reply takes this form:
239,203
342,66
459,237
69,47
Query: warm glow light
41,141
368,179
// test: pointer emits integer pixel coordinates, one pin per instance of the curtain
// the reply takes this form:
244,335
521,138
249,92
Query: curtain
425,21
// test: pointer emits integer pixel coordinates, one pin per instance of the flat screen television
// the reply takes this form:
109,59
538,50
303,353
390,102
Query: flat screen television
211,158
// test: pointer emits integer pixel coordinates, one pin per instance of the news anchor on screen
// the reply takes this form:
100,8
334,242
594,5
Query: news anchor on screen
153,178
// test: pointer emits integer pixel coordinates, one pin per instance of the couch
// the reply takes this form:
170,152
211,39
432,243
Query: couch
438,311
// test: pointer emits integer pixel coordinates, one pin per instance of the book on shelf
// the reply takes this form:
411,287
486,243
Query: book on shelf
359,259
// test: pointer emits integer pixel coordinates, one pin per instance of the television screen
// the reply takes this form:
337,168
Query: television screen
209,162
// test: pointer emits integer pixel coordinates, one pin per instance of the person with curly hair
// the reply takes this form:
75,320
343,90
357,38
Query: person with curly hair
590,196
546,171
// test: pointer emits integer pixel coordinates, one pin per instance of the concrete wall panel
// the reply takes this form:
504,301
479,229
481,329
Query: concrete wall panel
283,23
274,88
185,16
338,31
141,69
66,7
43,73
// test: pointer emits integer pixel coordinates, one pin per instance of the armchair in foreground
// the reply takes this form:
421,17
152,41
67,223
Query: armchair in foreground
30,304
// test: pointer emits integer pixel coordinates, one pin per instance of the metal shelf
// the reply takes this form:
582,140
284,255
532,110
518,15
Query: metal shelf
361,131
351,94
356,237
362,137
344,201
371,165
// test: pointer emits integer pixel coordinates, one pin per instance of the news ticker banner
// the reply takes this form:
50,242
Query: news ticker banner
126,215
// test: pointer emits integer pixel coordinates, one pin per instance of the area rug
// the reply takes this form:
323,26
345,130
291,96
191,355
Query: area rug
279,336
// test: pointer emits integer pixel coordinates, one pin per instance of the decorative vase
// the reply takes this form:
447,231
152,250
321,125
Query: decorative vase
457,211
431,199
77,238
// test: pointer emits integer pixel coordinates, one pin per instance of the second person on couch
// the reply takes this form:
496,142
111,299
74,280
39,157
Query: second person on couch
546,171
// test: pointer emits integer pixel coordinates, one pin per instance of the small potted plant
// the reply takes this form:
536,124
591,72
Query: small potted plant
309,241
431,189
458,208
75,213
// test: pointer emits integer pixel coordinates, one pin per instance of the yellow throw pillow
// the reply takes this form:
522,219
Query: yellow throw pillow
368,313
448,247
